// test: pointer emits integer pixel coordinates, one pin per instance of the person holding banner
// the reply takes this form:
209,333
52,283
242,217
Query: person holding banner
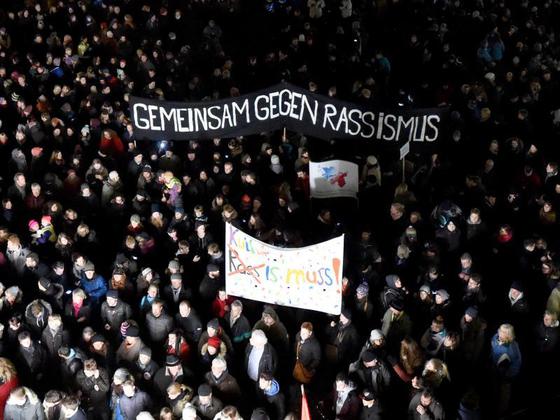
343,345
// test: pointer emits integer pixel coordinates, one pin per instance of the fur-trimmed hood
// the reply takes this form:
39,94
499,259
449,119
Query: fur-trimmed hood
32,398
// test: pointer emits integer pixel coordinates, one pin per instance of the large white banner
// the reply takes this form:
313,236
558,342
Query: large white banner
308,278
333,178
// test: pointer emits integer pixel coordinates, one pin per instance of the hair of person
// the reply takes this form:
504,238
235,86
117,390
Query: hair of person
307,325
7,370
90,364
509,331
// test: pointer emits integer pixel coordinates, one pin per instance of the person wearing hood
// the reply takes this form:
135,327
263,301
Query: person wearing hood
343,339
274,329
23,404
270,397
394,290
342,403
473,329
207,406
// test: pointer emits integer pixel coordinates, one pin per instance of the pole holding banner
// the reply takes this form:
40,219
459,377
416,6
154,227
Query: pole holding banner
405,150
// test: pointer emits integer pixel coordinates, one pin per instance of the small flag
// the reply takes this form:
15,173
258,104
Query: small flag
305,415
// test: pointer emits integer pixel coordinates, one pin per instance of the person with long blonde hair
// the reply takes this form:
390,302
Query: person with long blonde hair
8,381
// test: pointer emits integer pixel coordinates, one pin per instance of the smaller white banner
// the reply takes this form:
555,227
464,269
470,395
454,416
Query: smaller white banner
333,178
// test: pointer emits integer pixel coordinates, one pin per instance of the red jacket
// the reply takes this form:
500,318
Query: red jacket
5,390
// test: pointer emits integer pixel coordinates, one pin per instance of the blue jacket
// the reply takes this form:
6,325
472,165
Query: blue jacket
512,352
95,288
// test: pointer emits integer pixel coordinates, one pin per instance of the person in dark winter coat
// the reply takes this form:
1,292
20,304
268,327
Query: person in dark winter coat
54,336
52,404
51,292
158,323
237,326
210,284
308,351
271,397
114,312
36,316
371,372
71,362
224,385
131,402
371,410
178,397
94,385
173,371
187,320
23,404
207,405
274,329
342,402
145,369
70,408
423,405
394,290
32,358
175,292
396,325
548,334
473,329
343,338
260,356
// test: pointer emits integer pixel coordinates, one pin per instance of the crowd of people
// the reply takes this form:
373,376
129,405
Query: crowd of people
112,275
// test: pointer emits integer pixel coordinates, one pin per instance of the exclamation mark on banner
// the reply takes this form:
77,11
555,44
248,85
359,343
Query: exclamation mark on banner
336,268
